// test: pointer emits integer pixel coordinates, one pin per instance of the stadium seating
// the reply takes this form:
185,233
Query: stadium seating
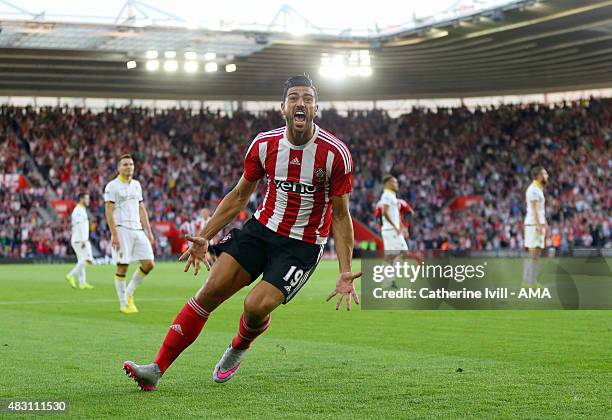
187,160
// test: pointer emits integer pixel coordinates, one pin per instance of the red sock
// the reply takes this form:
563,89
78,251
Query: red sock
246,334
183,331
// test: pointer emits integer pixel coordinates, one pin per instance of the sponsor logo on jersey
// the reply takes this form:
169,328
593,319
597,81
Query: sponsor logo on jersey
296,187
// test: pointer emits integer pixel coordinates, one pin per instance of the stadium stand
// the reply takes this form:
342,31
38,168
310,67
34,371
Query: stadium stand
463,171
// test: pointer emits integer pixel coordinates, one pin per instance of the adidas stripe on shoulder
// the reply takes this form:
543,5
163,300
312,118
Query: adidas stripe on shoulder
340,147
265,135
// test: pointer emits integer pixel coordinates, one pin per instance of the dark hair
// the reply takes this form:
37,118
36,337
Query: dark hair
81,195
387,177
535,171
302,80
125,156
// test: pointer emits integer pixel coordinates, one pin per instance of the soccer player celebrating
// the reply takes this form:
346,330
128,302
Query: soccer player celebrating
80,242
131,234
309,177
535,225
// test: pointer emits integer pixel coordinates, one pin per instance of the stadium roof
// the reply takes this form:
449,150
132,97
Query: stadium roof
520,48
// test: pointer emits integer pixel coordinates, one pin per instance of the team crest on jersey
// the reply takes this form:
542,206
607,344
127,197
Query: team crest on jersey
226,238
320,175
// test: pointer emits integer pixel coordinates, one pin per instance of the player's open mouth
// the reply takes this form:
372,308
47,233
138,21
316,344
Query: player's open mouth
299,116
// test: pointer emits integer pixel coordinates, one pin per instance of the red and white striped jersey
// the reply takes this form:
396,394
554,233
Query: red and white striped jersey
301,181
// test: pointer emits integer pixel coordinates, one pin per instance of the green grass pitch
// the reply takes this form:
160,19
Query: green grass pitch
59,343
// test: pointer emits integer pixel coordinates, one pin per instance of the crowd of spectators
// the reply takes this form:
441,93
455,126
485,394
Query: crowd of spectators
23,230
187,160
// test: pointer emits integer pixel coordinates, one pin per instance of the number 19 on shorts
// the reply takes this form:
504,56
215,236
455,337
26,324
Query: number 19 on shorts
293,276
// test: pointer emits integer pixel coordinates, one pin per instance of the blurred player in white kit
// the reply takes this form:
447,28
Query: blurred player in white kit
536,227
79,240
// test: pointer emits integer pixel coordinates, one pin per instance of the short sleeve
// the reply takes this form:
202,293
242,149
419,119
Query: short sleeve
109,194
532,195
253,170
386,199
342,174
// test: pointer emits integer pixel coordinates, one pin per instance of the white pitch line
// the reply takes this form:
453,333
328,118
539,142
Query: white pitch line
65,302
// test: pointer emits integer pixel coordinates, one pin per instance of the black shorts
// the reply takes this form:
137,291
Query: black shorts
286,263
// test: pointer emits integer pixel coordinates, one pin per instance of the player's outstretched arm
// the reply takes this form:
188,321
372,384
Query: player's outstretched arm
342,228
235,201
